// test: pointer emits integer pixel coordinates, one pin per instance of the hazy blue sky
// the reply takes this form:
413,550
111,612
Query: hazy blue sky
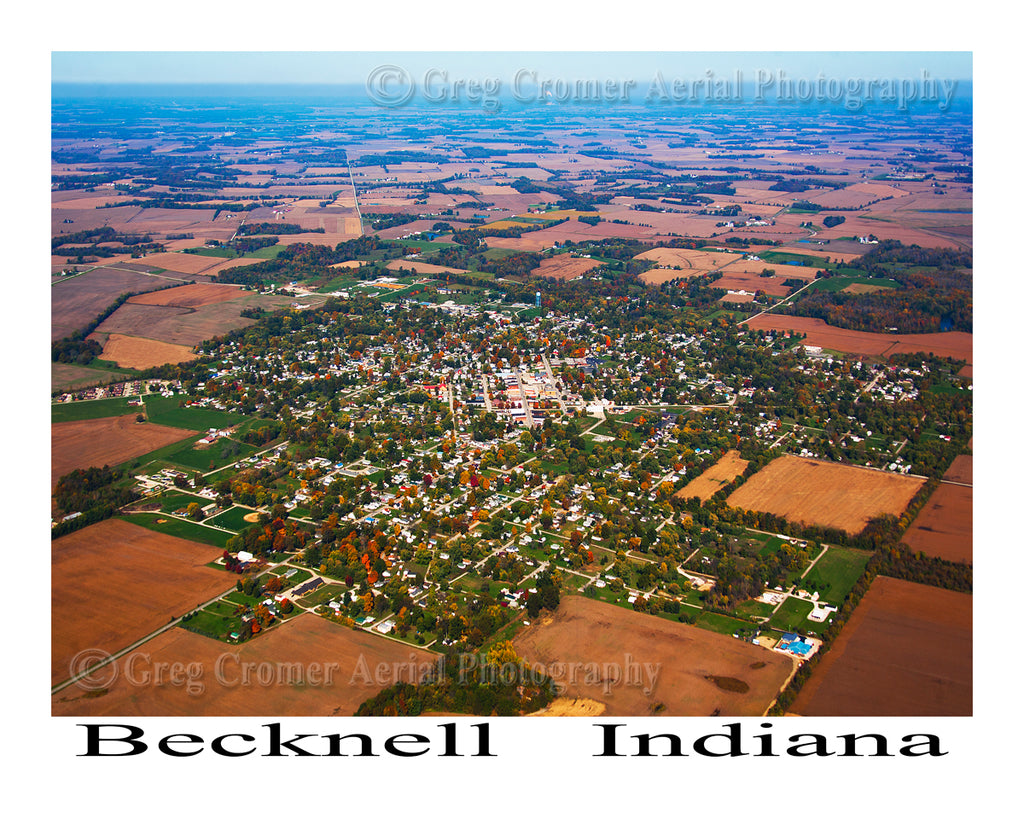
353,67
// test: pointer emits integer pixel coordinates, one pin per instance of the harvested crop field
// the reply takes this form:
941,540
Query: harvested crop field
191,295
714,477
187,326
689,263
311,668
102,441
906,651
143,353
563,266
424,268
639,665
821,493
945,526
113,583
76,301
187,263
954,344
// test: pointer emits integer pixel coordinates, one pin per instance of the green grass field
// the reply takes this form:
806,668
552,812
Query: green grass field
215,456
86,410
836,283
721,624
173,501
779,257
179,528
836,573
792,616
165,411
232,519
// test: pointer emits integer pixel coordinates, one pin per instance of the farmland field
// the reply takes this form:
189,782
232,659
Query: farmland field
339,668
820,493
690,660
191,295
76,301
103,441
113,583
143,353
944,527
565,266
714,477
905,651
70,377
953,344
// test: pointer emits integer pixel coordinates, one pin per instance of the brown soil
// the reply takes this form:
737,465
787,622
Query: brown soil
113,582
191,295
906,651
953,344
102,441
309,667
608,654
945,526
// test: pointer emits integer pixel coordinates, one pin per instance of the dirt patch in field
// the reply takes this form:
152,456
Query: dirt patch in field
312,668
571,707
821,493
714,477
863,288
252,517
639,665
191,295
906,651
113,583
143,353
102,441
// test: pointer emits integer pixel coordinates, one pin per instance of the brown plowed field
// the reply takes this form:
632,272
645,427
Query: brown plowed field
345,664
584,635
961,470
953,344
714,477
945,526
102,441
143,353
191,295
77,301
113,583
905,652
822,493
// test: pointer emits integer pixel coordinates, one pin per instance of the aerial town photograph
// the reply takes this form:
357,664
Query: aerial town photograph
467,387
